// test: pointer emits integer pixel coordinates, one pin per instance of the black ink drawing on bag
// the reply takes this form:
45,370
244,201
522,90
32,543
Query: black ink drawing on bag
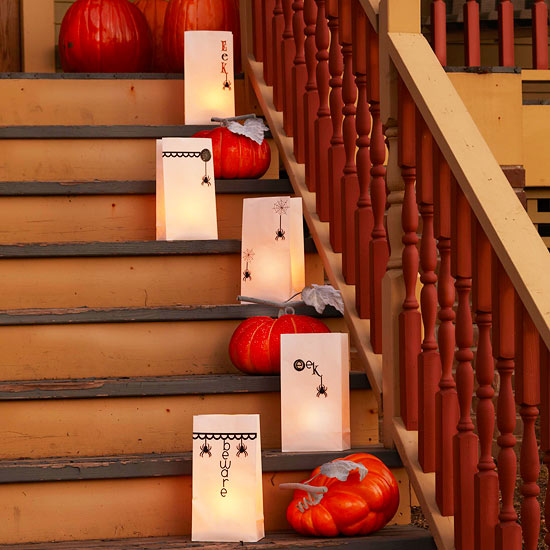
248,256
300,365
205,155
281,208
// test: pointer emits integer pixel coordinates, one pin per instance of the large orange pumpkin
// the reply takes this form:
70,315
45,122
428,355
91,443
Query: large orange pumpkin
350,507
199,15
237,156
255,346
154,12
105,36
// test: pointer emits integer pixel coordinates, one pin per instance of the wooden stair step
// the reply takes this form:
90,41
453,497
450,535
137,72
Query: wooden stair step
397,537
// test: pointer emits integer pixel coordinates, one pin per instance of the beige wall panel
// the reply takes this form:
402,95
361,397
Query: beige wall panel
495,103
122,349
536,121
38,37
147,425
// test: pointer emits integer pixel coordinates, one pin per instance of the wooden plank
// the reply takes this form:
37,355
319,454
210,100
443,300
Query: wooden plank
150,386
96,76
10,33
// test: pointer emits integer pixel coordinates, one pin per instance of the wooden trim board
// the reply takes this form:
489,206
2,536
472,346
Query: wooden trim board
97,76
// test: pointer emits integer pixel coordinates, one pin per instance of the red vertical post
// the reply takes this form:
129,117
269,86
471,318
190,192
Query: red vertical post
508,531
409,318
429,366
540,34
486,479
465,441
527,382
506,33
311,97
379,252
350,183
364,220
439,30
267,39
278,26
323,121
446,398
257,21
336,153
545,425
472,39
288,52
299,79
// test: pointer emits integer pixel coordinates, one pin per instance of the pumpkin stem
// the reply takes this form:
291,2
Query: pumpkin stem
284,307
224,121
314,497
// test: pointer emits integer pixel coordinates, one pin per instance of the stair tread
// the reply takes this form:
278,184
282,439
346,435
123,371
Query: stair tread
164,465
395,537
98,76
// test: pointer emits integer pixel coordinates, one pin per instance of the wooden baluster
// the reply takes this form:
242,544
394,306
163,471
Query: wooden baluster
472,39
486,479
506,33
465,448
299,79
364,220
409,318
446,399
267,40
508,531
439,30
323,120
545,426
527,380
350,182
379,252
336,152
278,26
257,21
429,365
288,52
540,34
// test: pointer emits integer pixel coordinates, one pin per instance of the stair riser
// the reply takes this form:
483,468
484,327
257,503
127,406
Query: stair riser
98,218
68,160
121,349
94,427
149,507
143,281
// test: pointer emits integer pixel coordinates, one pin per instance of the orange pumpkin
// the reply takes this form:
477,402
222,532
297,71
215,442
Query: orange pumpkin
154,12
351,507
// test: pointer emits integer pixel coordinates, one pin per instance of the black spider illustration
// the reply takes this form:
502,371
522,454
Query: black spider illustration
206,181
280,234
205,449
248,256
226,85
247,275
322,389
241,449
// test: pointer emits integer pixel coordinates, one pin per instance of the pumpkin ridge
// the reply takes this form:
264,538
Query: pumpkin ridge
269,340
249,352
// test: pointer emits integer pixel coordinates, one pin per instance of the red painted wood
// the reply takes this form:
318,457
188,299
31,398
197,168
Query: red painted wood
508,531
267,40
527,382
472,39
506,33
278,26
429,365
540,34
257,42
379,251
364,220
323,125
409,318
299,79
288,52
311,97
465,444
439,30
545,424
447,412
486,479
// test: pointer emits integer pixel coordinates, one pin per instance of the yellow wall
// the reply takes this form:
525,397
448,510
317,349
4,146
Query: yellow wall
61,7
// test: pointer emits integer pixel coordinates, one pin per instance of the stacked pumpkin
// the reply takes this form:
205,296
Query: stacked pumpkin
111,36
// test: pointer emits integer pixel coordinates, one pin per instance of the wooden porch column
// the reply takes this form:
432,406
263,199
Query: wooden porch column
10,37
38,36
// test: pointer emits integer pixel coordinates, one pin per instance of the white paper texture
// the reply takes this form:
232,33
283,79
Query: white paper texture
227,479
315,402
186,190
209,76
272,261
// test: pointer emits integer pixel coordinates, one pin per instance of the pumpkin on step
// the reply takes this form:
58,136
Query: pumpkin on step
154,12
255,346
344,499
105,36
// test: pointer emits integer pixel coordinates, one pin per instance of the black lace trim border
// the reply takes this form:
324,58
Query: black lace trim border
225,436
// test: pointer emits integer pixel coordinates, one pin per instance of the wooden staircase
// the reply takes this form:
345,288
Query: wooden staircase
112,341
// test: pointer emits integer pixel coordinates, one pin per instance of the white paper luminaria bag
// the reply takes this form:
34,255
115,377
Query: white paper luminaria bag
315,402
227,479
186,190
273,262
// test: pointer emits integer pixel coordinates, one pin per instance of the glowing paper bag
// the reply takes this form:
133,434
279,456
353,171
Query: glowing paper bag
209,76
315,402
273,262
227,478
186,190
